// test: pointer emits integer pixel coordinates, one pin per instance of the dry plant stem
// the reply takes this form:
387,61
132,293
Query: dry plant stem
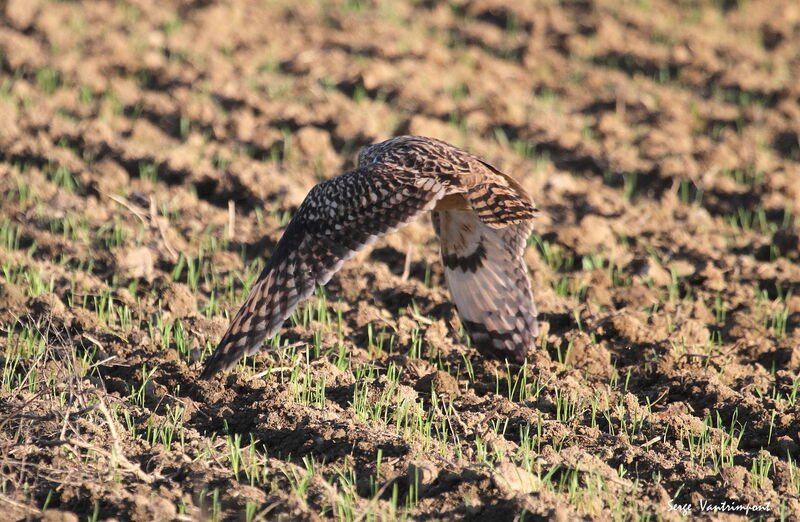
421,319
153,221
118,453
27,509
231,219
159,224
136,212
410,249
53,414
117,459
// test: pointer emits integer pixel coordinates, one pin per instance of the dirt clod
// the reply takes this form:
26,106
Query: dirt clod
178,299
441,382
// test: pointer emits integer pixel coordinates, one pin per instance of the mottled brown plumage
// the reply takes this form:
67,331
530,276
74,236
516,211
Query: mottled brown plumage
481,215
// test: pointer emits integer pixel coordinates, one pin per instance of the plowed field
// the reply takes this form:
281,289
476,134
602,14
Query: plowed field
151,152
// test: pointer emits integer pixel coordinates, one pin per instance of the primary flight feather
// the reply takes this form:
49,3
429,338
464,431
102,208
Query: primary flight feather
482,217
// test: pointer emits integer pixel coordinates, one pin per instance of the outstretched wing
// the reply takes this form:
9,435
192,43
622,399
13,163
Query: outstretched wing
489,282
338,218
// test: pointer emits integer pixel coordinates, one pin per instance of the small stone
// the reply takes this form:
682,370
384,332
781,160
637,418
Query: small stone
422,474
152,507
54,515
513,480
136,263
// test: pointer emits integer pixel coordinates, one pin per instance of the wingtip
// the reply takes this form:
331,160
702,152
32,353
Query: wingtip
212,367
208,372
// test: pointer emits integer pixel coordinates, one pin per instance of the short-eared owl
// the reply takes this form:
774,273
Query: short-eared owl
482,217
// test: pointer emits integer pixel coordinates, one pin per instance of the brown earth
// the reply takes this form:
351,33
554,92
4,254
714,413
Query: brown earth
151,151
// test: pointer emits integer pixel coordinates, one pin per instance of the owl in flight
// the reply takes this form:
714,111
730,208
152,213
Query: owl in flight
482,217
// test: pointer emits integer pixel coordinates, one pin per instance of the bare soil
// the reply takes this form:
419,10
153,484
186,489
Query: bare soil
150,153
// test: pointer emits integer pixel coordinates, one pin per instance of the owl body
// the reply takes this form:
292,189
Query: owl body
481,215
